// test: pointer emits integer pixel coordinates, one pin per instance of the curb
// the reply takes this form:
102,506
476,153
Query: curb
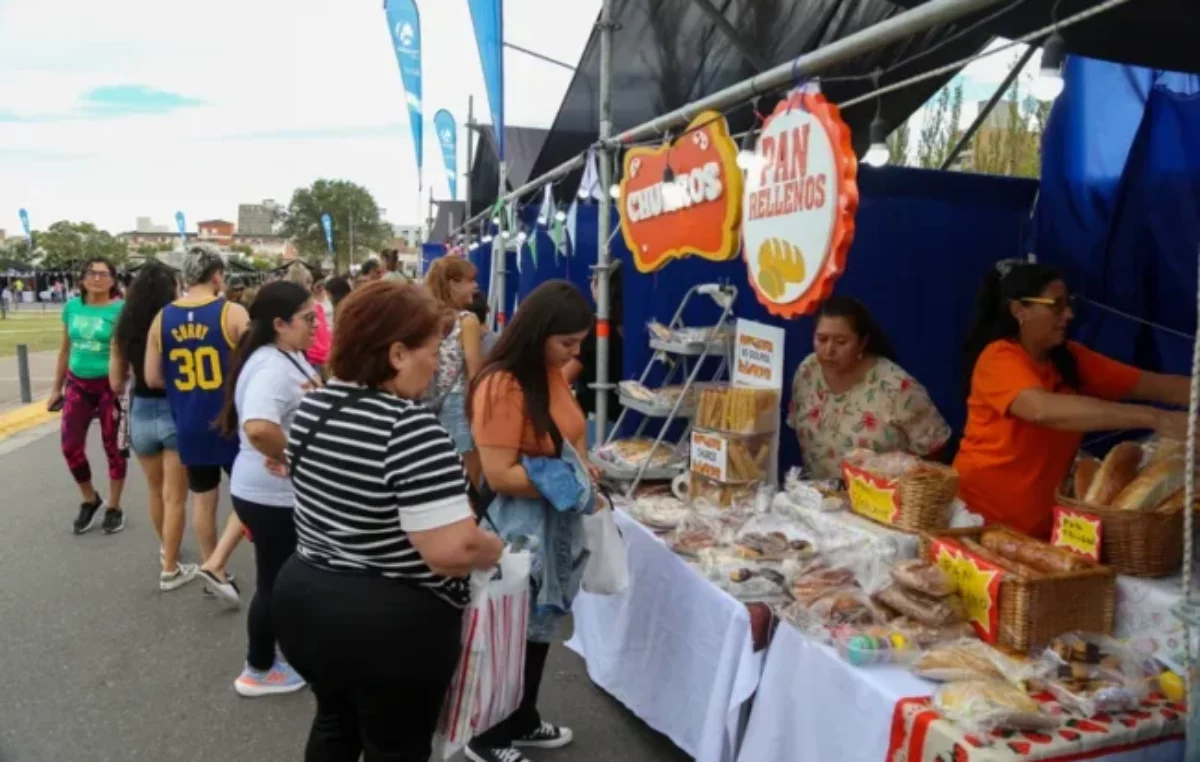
25,417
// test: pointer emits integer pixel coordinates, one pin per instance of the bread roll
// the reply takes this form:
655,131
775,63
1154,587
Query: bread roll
1167,448
1173,503
1085,473
1030,552
1116,472
1153,485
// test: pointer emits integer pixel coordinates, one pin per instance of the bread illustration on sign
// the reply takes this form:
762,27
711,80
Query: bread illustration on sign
781,264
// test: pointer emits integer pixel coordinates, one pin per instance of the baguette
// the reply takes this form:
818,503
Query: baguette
1085,473
1015,567
1030,552
1167,448
1152,486
1116,472
1172,503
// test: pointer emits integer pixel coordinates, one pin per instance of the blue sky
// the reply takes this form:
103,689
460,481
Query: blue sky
125,108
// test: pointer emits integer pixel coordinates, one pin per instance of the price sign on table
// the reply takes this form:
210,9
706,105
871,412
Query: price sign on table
977,583
1076,531
710,456
870,496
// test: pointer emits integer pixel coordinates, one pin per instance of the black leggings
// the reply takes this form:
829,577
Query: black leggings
274,532
526,719
379,655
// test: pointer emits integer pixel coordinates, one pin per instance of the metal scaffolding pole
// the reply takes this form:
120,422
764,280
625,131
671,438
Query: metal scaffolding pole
884,33
988,107
500,255
603,222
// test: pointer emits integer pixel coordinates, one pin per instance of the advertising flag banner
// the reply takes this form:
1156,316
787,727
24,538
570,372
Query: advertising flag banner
447,134
24,215
487,16
404,22
327,224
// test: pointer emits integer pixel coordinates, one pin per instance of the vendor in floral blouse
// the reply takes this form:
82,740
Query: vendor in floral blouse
851,393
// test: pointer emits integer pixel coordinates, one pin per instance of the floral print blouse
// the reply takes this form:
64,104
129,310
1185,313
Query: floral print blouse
888,410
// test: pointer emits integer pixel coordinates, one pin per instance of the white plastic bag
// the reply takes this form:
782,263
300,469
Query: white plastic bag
490,677
606,571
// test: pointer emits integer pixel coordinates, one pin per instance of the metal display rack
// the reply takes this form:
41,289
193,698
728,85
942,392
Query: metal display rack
682,359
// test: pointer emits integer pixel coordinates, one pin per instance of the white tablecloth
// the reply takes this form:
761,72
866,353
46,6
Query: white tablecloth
673,649
1144,614
813,707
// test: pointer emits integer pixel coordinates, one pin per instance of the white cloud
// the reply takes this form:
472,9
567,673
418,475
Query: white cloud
273,76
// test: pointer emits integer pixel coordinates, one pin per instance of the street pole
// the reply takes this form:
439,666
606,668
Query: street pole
467,173
429,219
351,226
500,254
603,260
23,373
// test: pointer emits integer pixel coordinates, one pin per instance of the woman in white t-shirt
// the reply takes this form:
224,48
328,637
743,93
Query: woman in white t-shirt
270,377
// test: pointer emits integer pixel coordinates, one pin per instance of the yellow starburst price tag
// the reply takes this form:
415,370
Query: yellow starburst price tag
870,496
977,583
1076,531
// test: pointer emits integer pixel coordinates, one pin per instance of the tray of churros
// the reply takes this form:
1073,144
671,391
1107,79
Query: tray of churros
737,410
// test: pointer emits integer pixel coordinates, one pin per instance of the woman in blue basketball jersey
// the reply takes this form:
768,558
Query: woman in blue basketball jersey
189,353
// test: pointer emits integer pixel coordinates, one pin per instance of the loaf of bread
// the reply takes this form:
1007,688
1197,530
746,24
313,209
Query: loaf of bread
1030,552
1173,503
1020,569
1153,485
1119,468
1164,448
1086,469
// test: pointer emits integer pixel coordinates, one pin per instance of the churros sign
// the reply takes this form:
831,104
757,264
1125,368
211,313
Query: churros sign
698,211
799,203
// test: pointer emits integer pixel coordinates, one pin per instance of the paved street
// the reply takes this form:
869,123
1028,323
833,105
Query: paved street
96,665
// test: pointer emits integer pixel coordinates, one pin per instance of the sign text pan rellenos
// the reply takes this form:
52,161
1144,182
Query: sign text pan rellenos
693,210
799,202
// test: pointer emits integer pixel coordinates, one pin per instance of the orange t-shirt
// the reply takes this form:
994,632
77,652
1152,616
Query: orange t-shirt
498,417
1009,469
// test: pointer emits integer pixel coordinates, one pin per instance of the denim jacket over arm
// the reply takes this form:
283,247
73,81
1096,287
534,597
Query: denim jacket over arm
551,527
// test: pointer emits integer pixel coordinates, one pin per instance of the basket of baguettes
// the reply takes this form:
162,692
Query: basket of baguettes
1137,494
1044,590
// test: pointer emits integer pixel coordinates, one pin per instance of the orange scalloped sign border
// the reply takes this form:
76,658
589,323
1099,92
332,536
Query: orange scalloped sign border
799,205
704,221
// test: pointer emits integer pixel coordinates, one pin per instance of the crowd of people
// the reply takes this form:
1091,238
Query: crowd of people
364,427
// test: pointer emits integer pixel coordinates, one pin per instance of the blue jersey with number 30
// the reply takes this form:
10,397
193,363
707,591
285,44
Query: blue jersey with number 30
196,360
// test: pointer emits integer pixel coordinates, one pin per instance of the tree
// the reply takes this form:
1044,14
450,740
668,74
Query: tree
940,130
352,209
897,144
1009,142
241,248
67,245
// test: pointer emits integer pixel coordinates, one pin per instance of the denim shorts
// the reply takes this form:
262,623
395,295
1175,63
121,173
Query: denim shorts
151,428
453,417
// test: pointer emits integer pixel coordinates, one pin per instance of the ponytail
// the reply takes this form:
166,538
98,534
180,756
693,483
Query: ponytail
1009,281
278,300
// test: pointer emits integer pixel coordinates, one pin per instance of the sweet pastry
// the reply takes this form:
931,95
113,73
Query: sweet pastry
930,611
923,577
1119,468
964,660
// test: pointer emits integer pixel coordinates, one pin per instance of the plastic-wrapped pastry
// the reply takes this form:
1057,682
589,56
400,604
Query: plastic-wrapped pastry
934,612
979,705
966,659
923,577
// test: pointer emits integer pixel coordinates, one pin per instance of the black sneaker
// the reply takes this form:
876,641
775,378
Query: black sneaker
546,736
477,753
114,521
87,515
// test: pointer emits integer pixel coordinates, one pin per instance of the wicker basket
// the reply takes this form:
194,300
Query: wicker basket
923,498
1036,609
1138,543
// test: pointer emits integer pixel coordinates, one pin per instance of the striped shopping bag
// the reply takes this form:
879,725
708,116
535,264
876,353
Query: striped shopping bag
490,677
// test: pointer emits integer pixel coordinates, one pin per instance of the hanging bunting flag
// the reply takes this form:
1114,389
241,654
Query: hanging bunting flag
589,185
487,16
572,216
558,235
447,133
405,24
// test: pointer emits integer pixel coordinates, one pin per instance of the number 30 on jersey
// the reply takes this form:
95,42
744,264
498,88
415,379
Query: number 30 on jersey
198,368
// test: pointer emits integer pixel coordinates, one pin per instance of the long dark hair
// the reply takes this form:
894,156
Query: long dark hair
555,308
856,314
1007,282
281,299
154,288
114,291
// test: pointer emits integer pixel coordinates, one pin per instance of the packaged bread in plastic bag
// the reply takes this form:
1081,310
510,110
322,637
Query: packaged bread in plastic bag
978,706
966,659
1092,673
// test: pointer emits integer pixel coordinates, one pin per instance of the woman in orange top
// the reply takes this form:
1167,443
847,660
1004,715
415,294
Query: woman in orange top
519,397
1033,395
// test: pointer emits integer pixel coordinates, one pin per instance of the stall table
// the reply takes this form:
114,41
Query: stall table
674,649
812,706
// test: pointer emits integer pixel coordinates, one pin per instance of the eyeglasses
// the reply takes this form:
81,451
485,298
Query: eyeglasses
1057,305
310,318
98,274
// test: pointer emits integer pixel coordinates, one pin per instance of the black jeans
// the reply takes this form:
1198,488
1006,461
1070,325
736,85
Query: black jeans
526,719
379,655
274,532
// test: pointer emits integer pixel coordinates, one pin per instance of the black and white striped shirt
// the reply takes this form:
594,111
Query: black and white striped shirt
378,468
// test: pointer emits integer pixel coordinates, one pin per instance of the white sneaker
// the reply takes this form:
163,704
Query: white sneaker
225,589
183,574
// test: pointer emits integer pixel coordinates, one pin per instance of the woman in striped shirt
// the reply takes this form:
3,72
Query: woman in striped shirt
369,609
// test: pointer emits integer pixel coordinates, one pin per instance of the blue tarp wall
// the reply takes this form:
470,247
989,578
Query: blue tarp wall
1119,209
923,239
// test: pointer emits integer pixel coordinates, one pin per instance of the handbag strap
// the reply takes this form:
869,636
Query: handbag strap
306,437
308,374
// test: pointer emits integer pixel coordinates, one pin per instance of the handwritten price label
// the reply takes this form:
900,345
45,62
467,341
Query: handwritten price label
710,456
1076,531
870,496
977,583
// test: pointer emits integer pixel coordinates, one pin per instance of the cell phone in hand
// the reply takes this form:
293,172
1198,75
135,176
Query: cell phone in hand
58,405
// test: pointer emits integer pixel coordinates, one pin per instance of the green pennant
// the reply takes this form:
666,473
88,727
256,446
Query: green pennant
533,243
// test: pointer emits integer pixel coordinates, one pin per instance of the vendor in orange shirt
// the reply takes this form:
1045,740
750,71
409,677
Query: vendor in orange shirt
1033,395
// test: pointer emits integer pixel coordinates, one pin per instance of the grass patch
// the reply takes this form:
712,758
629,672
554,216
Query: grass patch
40,331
